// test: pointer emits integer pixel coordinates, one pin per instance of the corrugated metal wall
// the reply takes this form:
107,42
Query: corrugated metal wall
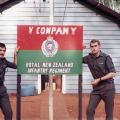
66,12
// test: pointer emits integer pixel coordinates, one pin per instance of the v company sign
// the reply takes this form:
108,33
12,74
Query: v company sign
49,49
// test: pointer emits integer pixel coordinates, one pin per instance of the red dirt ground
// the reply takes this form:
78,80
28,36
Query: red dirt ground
31,107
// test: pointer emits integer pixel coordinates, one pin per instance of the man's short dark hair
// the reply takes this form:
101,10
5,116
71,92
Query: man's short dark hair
2,45
94,41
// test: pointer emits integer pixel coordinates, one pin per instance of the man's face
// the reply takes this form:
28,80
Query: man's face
95,48
2,52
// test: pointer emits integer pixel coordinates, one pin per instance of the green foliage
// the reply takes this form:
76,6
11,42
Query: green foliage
118,5
113,4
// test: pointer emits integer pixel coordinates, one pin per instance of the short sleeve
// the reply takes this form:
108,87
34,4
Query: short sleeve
85,59
11,65
109,64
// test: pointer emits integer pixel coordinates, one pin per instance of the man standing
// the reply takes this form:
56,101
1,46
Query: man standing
103,71
4,98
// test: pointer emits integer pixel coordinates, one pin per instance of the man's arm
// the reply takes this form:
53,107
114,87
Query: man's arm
107,76
85,58
15,58
15,55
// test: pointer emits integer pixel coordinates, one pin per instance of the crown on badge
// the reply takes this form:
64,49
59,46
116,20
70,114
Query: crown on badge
49,38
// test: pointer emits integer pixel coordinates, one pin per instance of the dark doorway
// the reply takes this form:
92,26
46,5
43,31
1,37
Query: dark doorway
44,80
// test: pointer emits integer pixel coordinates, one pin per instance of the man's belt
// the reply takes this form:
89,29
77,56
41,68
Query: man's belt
108,81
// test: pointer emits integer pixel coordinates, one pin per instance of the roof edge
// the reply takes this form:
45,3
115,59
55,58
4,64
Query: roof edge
8,4
113,15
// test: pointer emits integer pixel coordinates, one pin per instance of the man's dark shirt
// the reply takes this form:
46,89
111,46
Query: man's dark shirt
3,65
99,66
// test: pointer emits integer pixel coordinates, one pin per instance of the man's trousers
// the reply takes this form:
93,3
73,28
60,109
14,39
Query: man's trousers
105,92
5,103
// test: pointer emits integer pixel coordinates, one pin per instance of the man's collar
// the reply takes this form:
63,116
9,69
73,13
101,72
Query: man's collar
2,58
100,55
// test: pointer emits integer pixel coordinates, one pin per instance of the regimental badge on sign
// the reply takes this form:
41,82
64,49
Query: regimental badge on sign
49,47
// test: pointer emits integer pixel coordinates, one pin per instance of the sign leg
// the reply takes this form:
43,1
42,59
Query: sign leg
51,97
80,97
18,110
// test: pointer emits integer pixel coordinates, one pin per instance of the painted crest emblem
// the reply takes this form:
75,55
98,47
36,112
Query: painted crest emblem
49,47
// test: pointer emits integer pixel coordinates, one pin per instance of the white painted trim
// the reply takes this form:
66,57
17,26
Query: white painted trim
39,84
63,84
